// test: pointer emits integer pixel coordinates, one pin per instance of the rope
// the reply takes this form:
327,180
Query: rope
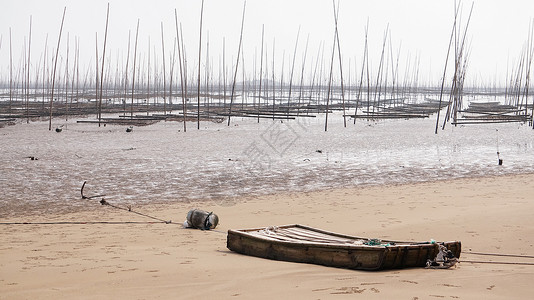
94,223
129,208
495,254
207,223
104,202
497,262
75,223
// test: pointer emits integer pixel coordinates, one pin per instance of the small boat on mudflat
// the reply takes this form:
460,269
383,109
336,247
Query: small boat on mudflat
299,243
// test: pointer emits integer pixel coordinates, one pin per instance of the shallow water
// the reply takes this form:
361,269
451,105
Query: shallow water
219,163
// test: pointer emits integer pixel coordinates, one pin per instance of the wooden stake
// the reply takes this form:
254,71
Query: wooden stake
55,66
148,79
134,62
261,71
171,73
302,74
274,84
67,81
224,74
163,53
126,74
237,63
184,57
292,70
330,76
44,71
207,90
362,73
77,69
102,72
336,13
199,58
28,75
96,78
184,109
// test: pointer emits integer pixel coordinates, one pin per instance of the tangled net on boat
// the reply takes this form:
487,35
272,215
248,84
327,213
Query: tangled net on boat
443,260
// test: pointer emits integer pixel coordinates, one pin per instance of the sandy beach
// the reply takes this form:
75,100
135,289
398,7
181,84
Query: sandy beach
164,261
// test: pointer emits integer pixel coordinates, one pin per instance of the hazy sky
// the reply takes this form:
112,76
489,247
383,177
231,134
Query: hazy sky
419,28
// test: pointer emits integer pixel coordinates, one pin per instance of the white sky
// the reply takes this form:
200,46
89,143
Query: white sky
498,30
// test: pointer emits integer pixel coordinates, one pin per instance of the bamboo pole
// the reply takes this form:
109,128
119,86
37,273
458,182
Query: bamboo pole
23,68
67,80
224,73
77,69
395,77
292,71
184,109
336,13
96,77
171,72
274,99
243,86
445,69
367,70
349,82
266,82
530,56
302,74
37,78
73,75
44,71
458,78
125,93
362,73
164,81
134,62
392,68
207,76
385,73
378,86
55,65
199,60
102,71
157,76
261,71
219,80
237,62
314,74
282,79
148,80
184,57
330,78
28,74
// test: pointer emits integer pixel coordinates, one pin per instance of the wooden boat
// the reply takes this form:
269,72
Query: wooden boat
298,243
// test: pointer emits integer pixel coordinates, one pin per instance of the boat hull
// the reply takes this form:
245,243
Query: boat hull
335,250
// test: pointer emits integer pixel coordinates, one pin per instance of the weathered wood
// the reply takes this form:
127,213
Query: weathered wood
298,243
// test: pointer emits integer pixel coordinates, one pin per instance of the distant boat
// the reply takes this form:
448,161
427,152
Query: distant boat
298,243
